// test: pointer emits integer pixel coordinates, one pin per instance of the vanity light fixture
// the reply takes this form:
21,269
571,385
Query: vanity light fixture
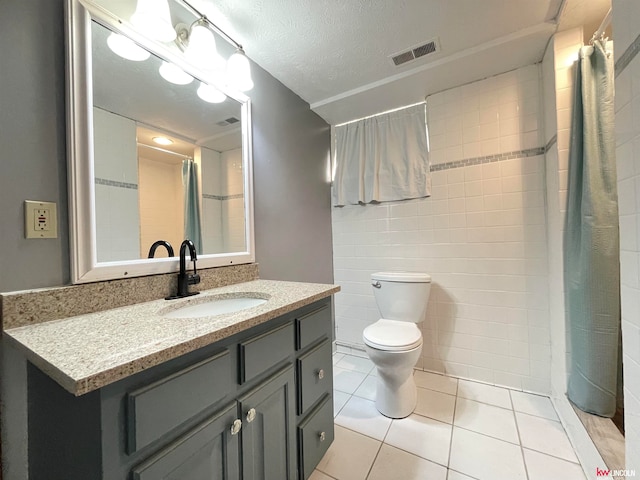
153,19
210,94
199,47
239,71
126,48
174,74
162,140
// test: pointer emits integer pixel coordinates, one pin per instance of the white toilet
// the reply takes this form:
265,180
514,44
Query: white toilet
394,342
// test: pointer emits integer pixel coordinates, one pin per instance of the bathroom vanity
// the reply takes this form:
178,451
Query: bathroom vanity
246,394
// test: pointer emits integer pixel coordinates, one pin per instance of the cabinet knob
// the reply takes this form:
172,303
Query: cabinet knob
320,374
251,415
322,436
236,426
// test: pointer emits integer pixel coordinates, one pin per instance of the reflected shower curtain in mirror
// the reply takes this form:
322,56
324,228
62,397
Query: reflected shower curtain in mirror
591,248
191,203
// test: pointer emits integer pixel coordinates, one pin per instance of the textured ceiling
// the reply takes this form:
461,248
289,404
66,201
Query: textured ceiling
334,53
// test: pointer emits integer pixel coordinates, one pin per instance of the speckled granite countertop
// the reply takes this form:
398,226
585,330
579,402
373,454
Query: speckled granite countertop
87,352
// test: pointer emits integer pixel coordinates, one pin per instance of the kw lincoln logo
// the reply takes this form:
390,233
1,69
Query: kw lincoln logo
615,473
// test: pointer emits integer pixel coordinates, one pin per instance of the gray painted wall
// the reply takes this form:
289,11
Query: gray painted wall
292,196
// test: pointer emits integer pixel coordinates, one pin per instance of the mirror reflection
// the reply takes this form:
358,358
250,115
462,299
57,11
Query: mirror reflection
168,164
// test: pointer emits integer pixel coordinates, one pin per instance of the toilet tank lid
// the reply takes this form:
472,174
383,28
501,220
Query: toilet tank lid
408,277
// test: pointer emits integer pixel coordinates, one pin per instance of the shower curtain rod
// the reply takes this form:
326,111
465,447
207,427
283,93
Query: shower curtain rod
164,150
603,26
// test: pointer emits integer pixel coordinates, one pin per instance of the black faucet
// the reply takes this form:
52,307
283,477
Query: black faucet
185,279
158,243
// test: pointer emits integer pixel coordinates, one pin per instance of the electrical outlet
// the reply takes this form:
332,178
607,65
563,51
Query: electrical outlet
40,219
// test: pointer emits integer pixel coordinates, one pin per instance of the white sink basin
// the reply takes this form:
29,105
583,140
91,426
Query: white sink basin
215,306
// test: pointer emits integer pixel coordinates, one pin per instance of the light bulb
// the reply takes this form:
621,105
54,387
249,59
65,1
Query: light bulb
239,71
162,140
153,19
173,74
201,49
126,48
210,94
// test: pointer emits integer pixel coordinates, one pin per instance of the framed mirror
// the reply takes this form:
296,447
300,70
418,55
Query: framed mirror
149,160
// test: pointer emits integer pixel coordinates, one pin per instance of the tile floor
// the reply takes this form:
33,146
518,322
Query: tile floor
460,430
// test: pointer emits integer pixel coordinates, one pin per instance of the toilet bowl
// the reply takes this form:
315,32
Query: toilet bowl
394,342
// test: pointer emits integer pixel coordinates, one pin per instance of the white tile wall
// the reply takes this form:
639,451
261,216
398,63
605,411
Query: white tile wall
117,216
627,105
481,235
558,74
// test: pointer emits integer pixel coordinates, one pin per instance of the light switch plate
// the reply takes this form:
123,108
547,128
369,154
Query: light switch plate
40,219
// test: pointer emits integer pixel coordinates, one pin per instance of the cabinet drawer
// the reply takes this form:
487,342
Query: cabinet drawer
315,435
315,371
313,326
260,353
154,410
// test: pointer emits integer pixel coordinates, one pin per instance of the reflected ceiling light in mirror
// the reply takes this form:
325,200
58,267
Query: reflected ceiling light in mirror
162,140
210,94
173,74
126,48
239,71
153,19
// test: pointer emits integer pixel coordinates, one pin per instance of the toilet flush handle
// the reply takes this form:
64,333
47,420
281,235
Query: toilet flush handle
377,284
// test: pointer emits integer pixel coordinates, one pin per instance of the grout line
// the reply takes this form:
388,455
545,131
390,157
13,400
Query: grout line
515,420
453,419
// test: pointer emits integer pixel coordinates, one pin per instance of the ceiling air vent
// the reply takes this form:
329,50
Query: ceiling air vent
228,121
415,52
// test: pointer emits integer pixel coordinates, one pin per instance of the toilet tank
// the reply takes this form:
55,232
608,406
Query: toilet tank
401,296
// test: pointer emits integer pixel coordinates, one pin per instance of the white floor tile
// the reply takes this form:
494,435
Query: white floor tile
367,388
436,405
482,418
392,463
543,467
485,458
350,456
337,357
318,475
436,382
361,415
357,364
453,475
421,436
339,400
347,381
545,436
534,405
481,392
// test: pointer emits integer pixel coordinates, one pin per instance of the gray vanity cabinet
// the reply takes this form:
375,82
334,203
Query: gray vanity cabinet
255,406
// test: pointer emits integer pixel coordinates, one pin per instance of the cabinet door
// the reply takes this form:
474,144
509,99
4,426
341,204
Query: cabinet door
208,451
268,429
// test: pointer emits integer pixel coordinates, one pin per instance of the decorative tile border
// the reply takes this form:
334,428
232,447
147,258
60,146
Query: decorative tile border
113,183
499,157
628,55
222,197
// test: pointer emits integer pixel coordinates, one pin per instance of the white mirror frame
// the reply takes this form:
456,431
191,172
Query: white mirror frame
80,164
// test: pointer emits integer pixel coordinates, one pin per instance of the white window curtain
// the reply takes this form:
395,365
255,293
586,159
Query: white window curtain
382,158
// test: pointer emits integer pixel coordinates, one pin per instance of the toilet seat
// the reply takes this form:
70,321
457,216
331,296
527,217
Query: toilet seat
392,335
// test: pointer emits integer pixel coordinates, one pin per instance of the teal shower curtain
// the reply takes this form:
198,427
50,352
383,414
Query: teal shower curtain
191,203
591,248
